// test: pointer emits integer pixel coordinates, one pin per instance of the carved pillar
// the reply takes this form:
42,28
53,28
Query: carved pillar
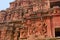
48,28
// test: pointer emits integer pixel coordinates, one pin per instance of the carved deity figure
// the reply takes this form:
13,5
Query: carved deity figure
23,33
2,16
8,17
14,16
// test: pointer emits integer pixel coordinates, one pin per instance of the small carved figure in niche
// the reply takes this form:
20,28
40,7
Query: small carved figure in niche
2,16
27,11
20,13
8,17
15,15
23,32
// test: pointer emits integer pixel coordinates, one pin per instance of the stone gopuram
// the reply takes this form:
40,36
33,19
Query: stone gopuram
30,20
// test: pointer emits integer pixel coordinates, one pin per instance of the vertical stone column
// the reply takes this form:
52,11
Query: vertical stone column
48,28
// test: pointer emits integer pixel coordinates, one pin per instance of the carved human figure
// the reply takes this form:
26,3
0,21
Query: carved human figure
2,16
23,33
14,16
8,17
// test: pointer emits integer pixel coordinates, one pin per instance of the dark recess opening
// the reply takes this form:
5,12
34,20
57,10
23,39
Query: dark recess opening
52,4
57,32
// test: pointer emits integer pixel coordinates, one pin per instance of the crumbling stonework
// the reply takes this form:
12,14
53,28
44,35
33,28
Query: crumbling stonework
29,20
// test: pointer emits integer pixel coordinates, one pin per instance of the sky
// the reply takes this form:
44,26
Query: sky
4,4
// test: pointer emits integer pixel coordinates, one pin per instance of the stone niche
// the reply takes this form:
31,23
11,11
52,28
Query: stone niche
15,15
2,16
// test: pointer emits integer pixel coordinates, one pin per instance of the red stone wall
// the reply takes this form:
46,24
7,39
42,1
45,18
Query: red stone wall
28,20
